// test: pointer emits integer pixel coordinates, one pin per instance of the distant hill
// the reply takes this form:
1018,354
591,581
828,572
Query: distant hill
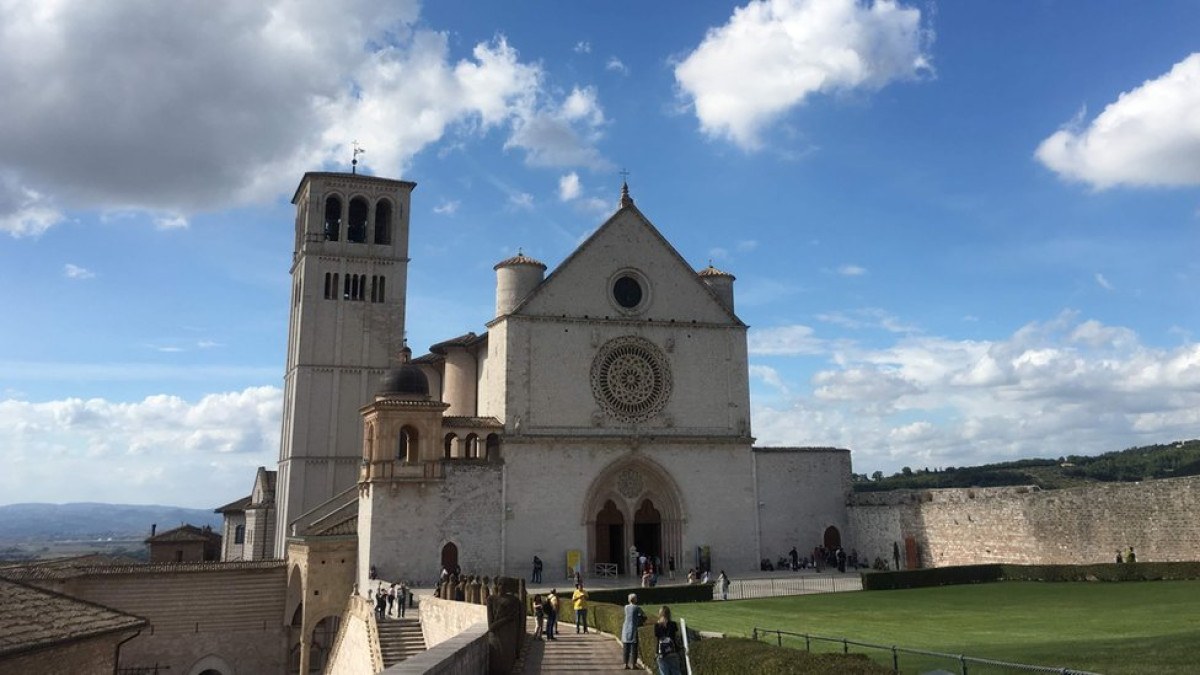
1181,458
91,520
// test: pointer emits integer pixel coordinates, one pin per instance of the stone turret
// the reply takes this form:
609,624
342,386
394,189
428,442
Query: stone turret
516,278
720,282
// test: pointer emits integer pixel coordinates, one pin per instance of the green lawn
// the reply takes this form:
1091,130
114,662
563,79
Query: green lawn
1111,628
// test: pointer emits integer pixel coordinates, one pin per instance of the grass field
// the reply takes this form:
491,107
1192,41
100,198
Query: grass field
1111,628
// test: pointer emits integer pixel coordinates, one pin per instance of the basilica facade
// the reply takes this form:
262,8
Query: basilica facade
602,410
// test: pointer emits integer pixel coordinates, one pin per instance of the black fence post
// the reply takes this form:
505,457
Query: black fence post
895,660
962,659
845,646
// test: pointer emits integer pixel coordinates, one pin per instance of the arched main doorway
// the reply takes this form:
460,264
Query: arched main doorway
647,530
450,557
610,536
634,502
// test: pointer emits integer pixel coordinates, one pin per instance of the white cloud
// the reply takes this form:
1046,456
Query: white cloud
24,212
562,134
785,340
1051,388
583,47
568,187
867,317
616,65
172,221
770,377
520,200
773,55
77,272
1149,136
1102,282
852,270
162,449
747,245
292,84
447,207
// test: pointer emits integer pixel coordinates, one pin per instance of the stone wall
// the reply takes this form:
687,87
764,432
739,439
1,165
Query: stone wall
464,654
801,492
93,655
233,611
444,619
354,651
1025,525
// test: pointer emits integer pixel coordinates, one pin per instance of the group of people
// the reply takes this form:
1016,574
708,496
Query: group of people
395,596
822,557
545,612
1126,556
667,644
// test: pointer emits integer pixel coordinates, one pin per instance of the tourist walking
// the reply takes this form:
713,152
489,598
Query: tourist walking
403,598
579,600
667,647
539,616
391,599
552,615
634,617
723,584
536,577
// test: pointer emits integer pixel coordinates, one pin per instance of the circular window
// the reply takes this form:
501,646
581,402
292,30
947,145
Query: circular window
630,379
627,292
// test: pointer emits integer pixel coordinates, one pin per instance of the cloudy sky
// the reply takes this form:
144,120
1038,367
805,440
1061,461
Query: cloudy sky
963,232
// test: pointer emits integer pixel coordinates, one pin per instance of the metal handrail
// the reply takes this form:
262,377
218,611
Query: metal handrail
962,659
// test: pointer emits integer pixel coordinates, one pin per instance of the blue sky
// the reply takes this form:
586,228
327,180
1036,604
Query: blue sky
962,232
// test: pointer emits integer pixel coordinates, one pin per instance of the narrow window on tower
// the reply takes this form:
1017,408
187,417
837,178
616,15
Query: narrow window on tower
328,278
382,288
333,218
357,231
346,288
383,222
333,289
374,288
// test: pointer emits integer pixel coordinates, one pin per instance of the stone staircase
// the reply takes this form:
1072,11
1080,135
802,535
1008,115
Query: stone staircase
399,639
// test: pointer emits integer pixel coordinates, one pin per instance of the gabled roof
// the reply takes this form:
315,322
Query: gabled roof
629,208
33,618
464,421
468,340
235,506
267,478
184,533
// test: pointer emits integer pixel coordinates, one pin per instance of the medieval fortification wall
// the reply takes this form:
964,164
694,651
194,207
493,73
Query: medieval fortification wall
1025,525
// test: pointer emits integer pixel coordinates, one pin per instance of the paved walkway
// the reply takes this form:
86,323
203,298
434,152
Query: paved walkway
572,652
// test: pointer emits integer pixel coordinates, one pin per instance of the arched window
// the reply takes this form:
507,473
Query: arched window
407,452
333,218
448,446
383,222
239,534
357,231
472,449
492,450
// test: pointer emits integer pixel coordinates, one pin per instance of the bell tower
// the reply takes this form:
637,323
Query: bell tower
349,279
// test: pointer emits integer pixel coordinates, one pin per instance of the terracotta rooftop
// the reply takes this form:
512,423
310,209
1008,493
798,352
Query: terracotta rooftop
463,421
32,618
519,259
35,571
468,340
185,533
711,271
234,506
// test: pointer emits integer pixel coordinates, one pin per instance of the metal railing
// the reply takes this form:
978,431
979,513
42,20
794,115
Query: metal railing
961,661
800,585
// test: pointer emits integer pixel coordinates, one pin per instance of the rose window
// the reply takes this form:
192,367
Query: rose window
630,379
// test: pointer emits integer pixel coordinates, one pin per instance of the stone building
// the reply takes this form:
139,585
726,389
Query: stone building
248,530
43,632
186,543
604,408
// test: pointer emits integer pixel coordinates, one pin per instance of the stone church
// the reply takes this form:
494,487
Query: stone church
604,408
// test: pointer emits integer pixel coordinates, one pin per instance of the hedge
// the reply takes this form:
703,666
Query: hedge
655,595
975,574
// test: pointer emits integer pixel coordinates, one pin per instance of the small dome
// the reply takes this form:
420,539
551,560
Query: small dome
404,380
711,271
519,259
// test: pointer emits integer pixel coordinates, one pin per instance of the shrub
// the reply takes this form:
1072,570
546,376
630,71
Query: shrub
933,576
655,595
738,656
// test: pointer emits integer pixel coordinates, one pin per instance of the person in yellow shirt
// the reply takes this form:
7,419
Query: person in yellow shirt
579,599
